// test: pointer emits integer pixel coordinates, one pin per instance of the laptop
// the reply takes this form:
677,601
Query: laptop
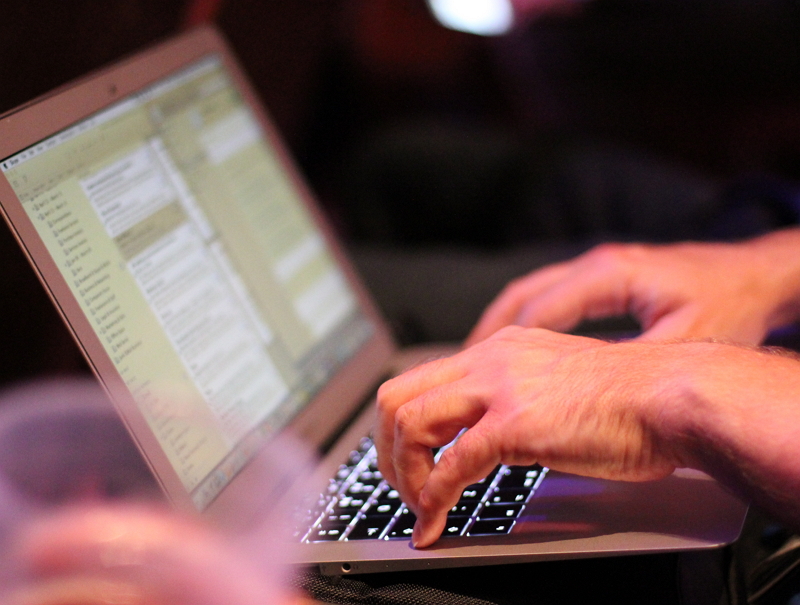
216,307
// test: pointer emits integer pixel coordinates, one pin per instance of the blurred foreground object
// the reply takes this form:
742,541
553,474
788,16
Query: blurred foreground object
493,17
82,521
135,554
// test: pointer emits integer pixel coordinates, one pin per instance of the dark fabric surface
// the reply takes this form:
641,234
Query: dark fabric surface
347,590
652,579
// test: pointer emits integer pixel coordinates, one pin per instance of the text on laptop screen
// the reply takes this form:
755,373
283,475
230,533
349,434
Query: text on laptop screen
194,259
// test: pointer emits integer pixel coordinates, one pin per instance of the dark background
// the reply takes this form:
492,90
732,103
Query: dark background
631,119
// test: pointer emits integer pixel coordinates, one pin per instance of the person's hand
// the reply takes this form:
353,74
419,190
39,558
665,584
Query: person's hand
526,396
736,292
135,555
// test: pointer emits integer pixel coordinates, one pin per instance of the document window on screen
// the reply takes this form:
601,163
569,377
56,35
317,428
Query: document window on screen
223,319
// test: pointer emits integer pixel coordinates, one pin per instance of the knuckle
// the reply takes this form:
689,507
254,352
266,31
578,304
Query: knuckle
382,396
428,501
405,420
615,255
516,288
385,397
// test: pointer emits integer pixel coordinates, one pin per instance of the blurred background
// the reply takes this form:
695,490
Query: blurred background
450,162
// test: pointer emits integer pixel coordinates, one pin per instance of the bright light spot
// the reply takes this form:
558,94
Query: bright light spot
482,17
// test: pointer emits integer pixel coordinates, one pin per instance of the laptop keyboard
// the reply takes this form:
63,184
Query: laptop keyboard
360,505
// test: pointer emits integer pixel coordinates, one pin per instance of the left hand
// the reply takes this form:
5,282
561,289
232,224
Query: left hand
734,292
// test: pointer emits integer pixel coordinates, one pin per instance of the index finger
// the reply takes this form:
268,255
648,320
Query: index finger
468,461
399,391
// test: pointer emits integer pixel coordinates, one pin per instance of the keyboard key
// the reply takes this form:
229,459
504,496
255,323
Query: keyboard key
500,511
491,527
360,489
463,509
403,527
344,518
509,496
473,493
385,508
455,526
348,505
368,476
327,534
520,476
390,495
369,528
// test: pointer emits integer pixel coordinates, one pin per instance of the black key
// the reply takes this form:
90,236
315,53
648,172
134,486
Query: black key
454,526
348,505
463,509
509,496
384,508
520,476
361,490
327,533
341,518
491,527
403,527
390,495
343,472
371,477
369,528
500,511
473,493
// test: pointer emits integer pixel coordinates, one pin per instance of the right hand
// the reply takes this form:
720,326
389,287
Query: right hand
736,292
573,404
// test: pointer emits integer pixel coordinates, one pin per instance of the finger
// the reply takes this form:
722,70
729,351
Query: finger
589,293
701,321
506,307
432,420
468,461
395,393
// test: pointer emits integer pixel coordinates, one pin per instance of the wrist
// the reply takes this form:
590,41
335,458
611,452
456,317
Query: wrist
733,412
683,403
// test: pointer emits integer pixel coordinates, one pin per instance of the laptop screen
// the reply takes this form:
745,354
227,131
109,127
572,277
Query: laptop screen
190,251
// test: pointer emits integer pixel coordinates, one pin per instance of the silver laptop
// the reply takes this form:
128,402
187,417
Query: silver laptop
214,304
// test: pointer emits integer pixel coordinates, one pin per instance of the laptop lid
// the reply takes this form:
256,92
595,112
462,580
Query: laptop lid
163,216
213,303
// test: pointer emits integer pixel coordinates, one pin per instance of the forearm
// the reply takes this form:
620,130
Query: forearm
734,413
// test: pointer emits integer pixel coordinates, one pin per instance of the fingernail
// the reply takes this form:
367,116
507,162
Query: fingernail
416,535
